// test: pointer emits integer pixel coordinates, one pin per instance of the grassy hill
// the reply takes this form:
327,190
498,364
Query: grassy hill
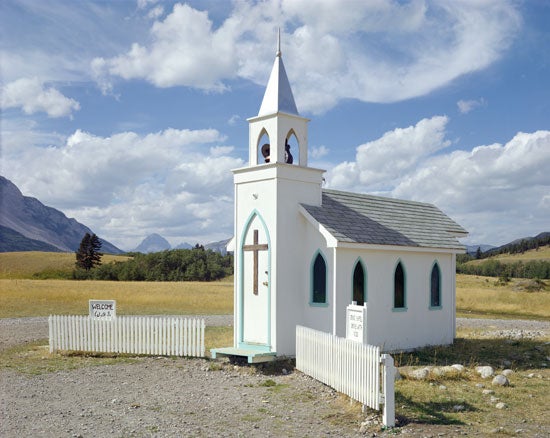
37,264
534,264
543,253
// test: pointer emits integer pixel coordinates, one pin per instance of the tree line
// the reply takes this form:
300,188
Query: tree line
539,269
195,264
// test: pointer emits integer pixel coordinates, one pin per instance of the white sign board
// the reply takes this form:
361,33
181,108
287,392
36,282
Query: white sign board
102,309
356,322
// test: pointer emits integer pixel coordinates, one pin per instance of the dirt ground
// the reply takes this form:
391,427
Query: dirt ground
166,397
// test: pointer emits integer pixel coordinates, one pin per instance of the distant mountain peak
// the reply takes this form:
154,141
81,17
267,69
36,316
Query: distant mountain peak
153,243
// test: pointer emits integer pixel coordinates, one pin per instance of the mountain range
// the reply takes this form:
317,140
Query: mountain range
28,225
155,242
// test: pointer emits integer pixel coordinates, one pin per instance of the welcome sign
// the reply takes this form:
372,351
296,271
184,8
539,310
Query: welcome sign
102,309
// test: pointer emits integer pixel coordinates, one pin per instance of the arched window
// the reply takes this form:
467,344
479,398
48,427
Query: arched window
435,286
292,148
319,280
264,151
399,287
359,284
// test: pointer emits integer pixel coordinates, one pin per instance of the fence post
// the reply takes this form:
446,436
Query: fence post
388,370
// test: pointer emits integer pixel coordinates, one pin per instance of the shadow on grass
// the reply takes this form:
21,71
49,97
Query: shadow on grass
509,353
430,412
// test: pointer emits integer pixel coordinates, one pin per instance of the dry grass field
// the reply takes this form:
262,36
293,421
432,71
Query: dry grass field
22,295
20,298
30,263
483,296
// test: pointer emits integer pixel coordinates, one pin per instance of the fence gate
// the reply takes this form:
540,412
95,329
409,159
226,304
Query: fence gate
355,369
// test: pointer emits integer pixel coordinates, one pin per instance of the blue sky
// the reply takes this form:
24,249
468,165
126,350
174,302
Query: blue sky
130,115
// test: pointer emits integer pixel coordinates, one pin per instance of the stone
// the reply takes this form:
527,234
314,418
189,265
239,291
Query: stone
488,391
458,408
506,363
480,385
500,380
501,405
420,374
507,372
494,399
442,387
460,368
485,371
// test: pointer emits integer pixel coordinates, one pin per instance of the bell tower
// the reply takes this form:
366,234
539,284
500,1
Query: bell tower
270,286
278,118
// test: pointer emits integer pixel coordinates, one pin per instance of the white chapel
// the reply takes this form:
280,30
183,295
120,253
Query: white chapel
304,253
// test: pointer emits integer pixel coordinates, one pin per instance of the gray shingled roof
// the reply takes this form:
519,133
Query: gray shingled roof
358,218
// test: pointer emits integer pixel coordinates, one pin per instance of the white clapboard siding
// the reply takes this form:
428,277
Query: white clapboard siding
349,367
159,336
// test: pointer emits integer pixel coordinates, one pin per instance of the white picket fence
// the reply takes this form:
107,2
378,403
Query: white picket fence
159,336
350,367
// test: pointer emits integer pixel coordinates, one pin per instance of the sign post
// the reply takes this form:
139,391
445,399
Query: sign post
356,323
102,309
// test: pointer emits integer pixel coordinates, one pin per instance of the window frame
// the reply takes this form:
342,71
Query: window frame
404,307
359,262
435,265
313,303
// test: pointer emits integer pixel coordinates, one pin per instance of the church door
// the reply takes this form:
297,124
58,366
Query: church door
255,286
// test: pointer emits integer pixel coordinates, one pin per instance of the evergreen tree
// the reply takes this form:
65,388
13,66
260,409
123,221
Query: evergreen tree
478,253
88,255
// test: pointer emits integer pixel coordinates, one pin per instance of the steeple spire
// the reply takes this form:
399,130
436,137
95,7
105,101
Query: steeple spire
278,54
278,94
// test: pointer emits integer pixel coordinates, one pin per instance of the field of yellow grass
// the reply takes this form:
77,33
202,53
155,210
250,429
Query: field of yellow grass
20,298
28,263
482,296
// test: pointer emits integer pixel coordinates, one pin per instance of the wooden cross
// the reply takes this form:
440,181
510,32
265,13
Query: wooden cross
255,247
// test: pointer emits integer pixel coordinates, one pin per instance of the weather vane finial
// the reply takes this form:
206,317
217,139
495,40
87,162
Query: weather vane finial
278,42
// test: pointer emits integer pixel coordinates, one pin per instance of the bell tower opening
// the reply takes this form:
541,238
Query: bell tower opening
292,148
264,147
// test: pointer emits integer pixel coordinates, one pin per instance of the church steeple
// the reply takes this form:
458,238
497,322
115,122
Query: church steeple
279,120
278,94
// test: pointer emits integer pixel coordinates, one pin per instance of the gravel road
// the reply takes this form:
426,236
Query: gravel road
165,397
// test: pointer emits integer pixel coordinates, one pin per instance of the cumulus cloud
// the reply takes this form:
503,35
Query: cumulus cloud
504,185
185,50
381,162
465,106
175,182
382,51
32,96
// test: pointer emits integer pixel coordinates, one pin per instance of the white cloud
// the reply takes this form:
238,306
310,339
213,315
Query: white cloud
156,12
175,182
465,106
381,162
318,152
32,96
234,119
497,192
185,50
382,51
